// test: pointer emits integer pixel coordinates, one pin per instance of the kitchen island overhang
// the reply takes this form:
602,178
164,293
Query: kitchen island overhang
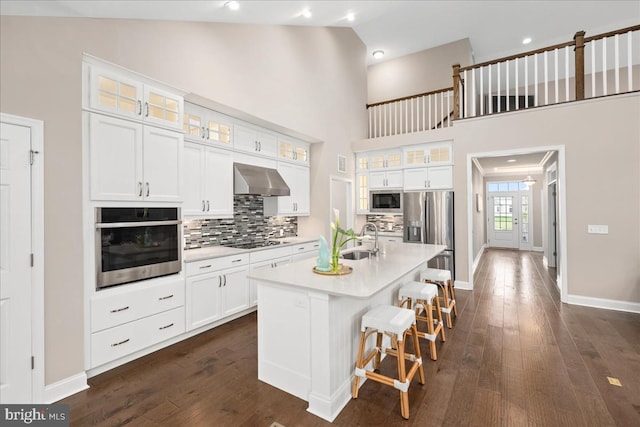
308,324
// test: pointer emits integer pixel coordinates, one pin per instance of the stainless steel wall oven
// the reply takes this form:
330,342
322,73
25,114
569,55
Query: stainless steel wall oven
136,243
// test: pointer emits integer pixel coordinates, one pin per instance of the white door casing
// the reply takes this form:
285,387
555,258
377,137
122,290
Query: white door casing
21,261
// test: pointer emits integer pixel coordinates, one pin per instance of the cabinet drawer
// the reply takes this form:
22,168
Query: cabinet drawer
121,307
270,254
117,342
305,247
214,264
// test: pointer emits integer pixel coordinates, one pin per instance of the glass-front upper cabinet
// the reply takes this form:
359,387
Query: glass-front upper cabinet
427,154
121,94
373,160
293,150
202,124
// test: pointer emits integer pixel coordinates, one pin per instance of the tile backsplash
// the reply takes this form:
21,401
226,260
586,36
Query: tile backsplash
247,225
391,223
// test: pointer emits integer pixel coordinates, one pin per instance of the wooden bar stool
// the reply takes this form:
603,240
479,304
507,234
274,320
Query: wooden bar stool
420,296
395,322
442,278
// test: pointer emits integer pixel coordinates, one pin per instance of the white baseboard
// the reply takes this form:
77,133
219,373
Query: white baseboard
465,286
608,304
476,261
65,388
538,249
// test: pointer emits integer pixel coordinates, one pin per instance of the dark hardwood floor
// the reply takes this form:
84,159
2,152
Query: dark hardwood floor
516,356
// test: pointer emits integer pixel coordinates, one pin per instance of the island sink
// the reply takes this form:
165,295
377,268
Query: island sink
356,255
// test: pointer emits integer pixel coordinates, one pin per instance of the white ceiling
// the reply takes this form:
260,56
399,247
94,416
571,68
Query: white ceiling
494,28
521,164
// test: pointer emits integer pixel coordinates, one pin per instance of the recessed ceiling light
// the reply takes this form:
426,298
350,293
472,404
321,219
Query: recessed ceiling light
351,17
233,5
378,54
511,160
306,13
526,40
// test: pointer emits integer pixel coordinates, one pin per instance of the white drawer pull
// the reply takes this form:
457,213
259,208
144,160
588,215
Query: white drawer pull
205,266
120,343
120,309
164,298
165,327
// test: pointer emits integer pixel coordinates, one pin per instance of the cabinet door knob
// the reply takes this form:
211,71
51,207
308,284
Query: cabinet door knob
147,186
139,107
207,206
139,188
146,106
203,206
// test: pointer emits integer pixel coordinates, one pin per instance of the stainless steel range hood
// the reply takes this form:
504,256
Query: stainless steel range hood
250,179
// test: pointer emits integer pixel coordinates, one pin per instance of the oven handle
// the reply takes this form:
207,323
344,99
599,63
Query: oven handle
136,224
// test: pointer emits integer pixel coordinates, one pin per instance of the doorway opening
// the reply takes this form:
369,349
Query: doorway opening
509,223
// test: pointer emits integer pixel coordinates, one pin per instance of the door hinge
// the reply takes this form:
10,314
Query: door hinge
31,260
32,155
33,363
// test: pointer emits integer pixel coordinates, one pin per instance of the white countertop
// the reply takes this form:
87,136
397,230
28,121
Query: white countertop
369,276
191,255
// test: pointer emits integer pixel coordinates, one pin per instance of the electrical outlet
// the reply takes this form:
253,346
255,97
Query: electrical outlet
597,229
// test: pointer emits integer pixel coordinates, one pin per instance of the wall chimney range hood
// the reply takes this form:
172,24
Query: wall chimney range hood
257,180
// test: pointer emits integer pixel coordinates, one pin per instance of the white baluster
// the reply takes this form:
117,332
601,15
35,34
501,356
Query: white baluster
482,91
629,63
517,88
424,112
604,66
593,68
430,111
395,118
498,77
526,81
370,124
535,80
441,108
546,78
489,91
473,92
506,83
566,73
412,129
555,53
617,62
448,109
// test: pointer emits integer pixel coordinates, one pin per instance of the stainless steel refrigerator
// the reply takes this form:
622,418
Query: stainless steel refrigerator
428,218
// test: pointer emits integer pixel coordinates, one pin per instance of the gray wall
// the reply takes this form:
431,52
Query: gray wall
310,80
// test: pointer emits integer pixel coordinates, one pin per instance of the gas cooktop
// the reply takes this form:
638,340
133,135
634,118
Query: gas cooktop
253,245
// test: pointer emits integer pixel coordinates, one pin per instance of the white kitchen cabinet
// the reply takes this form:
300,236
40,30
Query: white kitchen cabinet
428,154
131,162
208,189
255,140
297,204
271,263
385,159
212,293
203,125
293,150
388,179
305,251
431,178
124,95
129,318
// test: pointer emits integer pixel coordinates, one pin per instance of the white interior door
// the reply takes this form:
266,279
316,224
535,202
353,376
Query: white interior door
15,265
503,220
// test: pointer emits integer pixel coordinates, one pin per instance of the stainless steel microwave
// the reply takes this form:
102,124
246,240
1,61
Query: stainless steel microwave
385,201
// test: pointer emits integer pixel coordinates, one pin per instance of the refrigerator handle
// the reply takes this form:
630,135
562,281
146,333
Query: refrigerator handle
425,228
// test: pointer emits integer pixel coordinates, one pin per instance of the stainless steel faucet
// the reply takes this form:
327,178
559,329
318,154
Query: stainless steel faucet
375,229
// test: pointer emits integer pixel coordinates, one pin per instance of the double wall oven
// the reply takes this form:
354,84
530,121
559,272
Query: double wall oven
136,243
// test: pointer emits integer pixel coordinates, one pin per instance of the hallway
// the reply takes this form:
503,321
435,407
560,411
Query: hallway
516,356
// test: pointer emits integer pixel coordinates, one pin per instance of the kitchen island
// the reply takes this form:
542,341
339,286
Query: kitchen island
308,324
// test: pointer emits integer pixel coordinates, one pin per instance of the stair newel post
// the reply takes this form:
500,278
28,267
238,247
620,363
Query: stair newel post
579,58
456,91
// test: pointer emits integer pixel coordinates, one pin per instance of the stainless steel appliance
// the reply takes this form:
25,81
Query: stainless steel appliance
251,179
428,218
385,201
136,243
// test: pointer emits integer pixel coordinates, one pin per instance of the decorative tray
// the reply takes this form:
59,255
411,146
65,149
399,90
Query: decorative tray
342,270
